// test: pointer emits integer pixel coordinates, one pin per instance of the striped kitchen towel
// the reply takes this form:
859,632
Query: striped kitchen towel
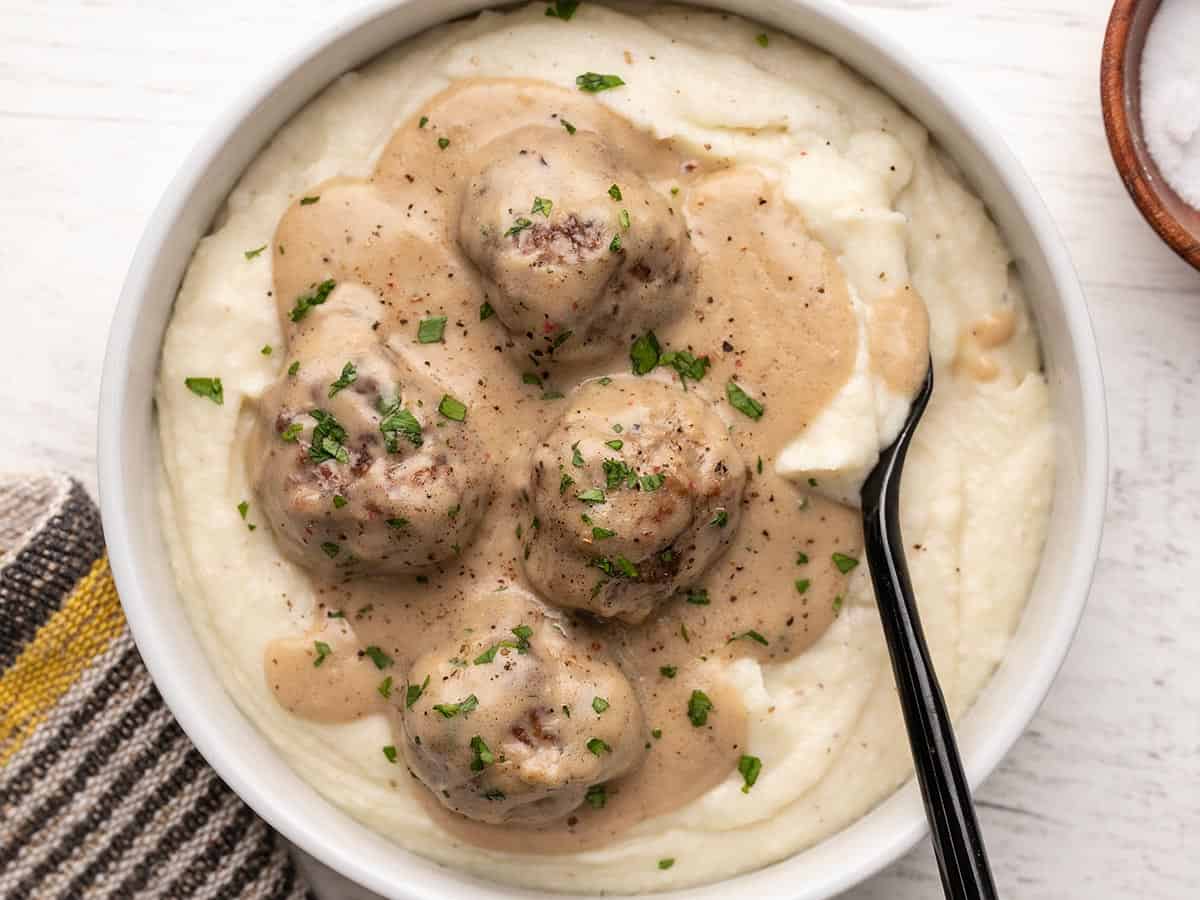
101,793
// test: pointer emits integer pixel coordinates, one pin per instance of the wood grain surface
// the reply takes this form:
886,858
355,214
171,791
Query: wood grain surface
100,100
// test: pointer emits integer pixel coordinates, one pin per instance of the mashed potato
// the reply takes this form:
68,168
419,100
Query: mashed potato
887,204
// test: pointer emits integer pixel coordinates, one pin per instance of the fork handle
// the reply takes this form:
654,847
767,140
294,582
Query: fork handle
957,842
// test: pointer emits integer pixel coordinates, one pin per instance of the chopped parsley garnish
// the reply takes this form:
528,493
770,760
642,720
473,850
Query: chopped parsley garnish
486,311
414,691
591,495
598,746
802,585
605,381
656,733
462,707
618,568
571,129
562,9
720,519
564,482
593,82
429,331
453,511
668,671
531,378
837,604
596,796
328,439
615,193
348,377
762,40
743,402
207,387
316,297
294,368
599,704
653,482
522,632
443,143
424,120
615,244
699,706
493,794
616,473
309,201
267,350
390,752
243,508
330,549
339,501
482,754
601,534
518,226
323,650
381,659
397,423
801,558
749,767
687,364
758,467
698,597
292,433
541,205
751,634
666,863
812,482
644,353
385,688
576,456
615,443
399,522
487,655
844,563
623,218
452,409
250,254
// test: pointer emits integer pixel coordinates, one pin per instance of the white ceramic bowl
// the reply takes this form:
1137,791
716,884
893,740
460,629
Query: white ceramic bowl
128,458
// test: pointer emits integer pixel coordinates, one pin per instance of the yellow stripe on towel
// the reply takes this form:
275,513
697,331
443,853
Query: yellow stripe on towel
59,652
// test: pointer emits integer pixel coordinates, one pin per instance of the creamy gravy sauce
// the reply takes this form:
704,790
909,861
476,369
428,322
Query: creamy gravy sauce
987,333
769,308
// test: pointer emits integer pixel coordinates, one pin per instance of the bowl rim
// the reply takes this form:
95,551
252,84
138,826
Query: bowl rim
1142,180
120,517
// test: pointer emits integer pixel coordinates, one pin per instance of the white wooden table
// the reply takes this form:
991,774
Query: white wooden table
101,99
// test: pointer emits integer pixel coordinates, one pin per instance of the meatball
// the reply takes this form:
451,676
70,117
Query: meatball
637,490
356,470
515,722
576,250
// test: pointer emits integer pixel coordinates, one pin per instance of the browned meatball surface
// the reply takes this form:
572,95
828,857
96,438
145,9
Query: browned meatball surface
576,250
518,719
355,464
637,489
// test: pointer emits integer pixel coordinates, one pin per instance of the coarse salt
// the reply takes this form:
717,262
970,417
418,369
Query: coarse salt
1171,95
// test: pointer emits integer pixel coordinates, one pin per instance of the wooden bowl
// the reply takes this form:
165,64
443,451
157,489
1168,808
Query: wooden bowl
1176,222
